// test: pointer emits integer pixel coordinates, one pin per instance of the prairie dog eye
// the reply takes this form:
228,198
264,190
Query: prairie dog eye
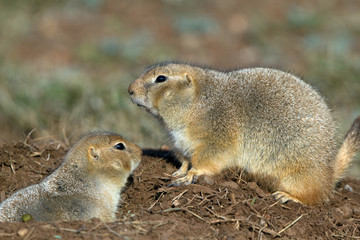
160,79
120,146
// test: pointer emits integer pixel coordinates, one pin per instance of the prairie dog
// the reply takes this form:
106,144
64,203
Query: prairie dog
86,185
269,123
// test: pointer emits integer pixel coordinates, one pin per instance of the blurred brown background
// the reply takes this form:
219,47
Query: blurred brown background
65,65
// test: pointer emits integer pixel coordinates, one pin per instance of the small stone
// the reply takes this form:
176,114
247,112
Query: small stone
252,185
263,222
176,203
346,211
35,154
255,187
348,188
342,213
22,232
230,184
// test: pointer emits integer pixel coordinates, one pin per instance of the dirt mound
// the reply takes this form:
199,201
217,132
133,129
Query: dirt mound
222,207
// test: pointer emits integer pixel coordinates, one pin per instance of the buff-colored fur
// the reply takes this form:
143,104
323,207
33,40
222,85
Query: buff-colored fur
270,123
86,185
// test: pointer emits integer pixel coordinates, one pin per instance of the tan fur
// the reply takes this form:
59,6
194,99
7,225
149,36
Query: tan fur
86,185
267,122
348,149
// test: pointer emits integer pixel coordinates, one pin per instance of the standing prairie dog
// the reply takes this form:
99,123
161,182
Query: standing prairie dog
86,185
269,123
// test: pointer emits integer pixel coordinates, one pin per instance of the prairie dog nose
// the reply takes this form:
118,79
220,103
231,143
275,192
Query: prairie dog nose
135,87
131,89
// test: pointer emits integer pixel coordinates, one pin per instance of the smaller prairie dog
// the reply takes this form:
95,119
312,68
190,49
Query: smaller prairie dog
86,185
271,124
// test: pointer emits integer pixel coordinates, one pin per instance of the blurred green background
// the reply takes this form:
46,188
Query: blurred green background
65,65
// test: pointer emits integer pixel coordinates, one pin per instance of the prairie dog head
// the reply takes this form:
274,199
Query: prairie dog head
106,154
165,88
113,154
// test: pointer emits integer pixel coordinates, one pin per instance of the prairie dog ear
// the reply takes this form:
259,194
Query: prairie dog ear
93,153
188,79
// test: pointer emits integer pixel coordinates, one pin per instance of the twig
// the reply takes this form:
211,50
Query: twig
171,210
283,206
11,162
252,208
189,201
114,232
66,139
159,224
263,229
260,232
343,236
183,209
291,224
64,229
152,205
226,193
92,229
232,198
267,230
217,200
139,228
7,234
204,199
179,196
139,222
72,230
267,208
27,138
354,231
28,235
229,220
217,215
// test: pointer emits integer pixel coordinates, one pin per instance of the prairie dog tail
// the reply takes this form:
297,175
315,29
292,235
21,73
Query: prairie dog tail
348,149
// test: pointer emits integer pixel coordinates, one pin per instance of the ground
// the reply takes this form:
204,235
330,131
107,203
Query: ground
222,207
